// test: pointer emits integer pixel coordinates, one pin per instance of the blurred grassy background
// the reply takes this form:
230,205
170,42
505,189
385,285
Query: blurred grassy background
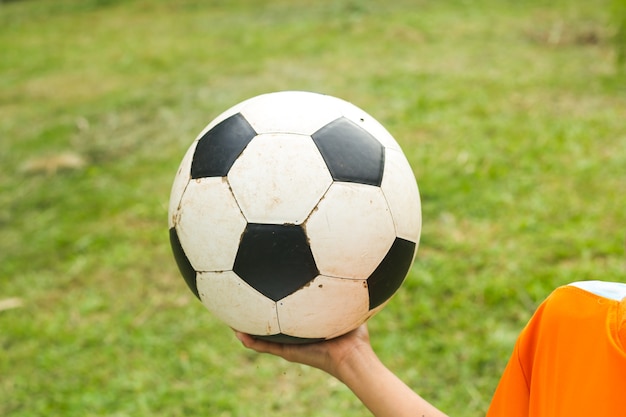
510,112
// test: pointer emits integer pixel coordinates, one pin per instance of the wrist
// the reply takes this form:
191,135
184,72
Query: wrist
356,364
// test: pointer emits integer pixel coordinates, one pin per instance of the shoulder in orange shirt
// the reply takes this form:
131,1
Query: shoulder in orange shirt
570,360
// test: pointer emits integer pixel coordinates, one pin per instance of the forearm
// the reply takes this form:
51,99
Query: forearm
383,393
350,359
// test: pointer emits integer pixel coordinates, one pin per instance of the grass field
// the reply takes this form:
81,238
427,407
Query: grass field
512,114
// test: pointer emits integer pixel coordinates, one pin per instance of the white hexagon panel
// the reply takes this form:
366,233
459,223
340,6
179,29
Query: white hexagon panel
236,303
312,311
297,112
350,231
183,175
209,224
279,178
402,196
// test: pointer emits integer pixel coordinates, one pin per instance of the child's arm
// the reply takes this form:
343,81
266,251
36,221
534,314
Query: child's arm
352,360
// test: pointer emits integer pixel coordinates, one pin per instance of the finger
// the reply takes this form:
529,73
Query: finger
242,337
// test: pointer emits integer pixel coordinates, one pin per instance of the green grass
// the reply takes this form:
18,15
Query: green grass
511,114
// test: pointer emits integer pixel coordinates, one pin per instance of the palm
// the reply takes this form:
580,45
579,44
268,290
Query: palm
327,355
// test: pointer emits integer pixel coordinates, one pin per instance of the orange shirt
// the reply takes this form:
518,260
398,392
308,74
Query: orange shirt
570,360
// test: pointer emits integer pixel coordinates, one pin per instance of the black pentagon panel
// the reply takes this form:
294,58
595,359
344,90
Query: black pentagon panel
286,339
218,149
350,152
275,259
185,267
390,274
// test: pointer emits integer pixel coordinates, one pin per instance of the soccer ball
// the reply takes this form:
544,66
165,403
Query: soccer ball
294,217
